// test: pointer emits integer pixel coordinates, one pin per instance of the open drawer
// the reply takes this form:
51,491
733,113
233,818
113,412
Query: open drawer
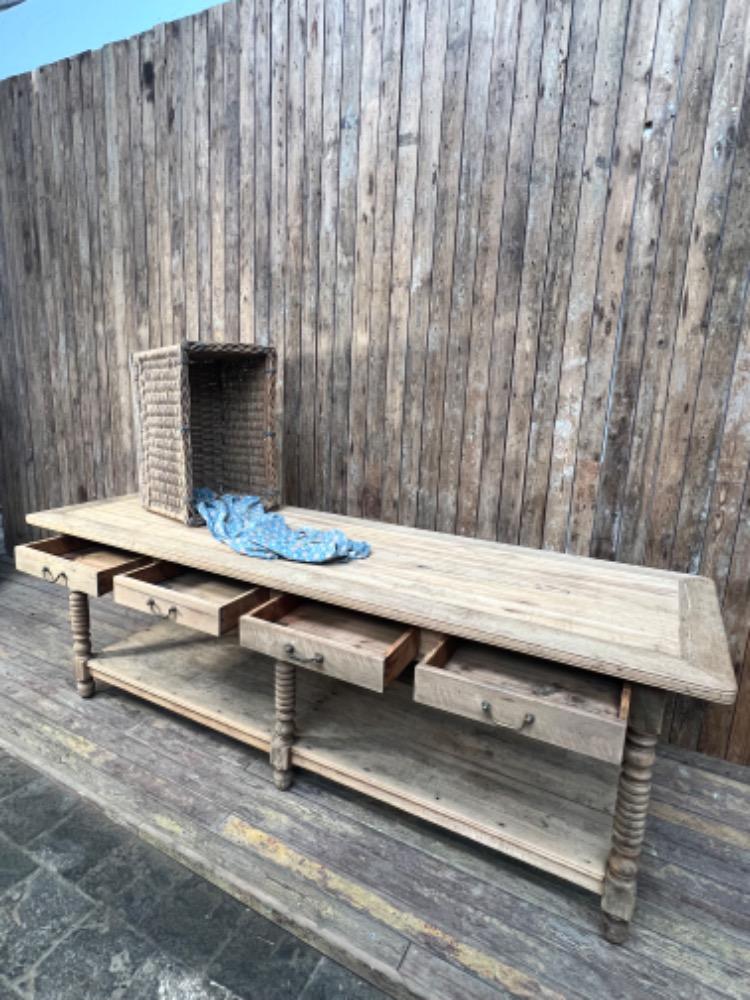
207,603
343,644
570,708
75,563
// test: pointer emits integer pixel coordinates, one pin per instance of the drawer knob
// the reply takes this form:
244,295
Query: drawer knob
294,656
47,575
153,607
528,719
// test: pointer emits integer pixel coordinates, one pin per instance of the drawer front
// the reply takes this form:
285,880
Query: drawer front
75,563
196,600
345,646
534,716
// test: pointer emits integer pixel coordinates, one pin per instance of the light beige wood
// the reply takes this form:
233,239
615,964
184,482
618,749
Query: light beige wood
351,647
558,705
198,600
516,796
611,618
74,563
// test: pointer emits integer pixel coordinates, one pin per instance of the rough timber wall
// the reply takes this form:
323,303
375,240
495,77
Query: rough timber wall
503,248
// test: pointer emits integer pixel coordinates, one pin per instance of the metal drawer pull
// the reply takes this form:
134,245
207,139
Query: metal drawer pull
528,719
47,575
290,651
153,607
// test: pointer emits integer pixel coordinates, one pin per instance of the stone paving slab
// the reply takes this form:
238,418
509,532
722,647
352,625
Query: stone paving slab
89,912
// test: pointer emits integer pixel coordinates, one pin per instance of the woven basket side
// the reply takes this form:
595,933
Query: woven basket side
162,418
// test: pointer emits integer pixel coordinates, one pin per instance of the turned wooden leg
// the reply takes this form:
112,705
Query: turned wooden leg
283,732
631,810
81,628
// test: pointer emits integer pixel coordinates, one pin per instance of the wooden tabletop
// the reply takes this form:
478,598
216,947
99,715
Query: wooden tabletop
649,626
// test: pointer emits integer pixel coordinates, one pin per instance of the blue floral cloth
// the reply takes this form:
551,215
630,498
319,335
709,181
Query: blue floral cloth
243,524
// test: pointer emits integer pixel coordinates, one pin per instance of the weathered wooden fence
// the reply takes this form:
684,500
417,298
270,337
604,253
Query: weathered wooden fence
503,250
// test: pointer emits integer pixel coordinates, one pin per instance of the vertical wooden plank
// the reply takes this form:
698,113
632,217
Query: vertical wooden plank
29,382
188,180
311,209
674,239
247,172
163,180
725,507
59,374
728,734
491,206
173,152
139,288
202,173
112,241
105,345
403,241
262,171
328,253
721,356
722,404
446,217
605,327
217,169
369,105
295,176
231,30
593,197
16,405
554,306
46,313
122,192
464,261
277,249
655,151
700,273
436,38
345,249
510,263
738,749
147,83
91,111
79,255
539,215
385,187
8,410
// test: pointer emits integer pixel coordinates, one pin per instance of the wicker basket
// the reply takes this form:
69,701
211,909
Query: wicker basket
206,417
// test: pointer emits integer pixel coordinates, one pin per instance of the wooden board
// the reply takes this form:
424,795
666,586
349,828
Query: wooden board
360,649
208,603
74,564
558,705
385,746
643,625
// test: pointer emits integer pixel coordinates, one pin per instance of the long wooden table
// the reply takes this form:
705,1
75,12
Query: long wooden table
563,783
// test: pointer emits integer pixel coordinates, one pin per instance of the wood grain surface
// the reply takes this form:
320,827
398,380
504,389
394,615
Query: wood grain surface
651,626
498,246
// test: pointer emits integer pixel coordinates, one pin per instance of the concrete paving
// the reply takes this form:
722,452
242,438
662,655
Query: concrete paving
90,912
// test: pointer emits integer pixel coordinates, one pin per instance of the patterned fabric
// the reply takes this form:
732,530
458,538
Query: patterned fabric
242,524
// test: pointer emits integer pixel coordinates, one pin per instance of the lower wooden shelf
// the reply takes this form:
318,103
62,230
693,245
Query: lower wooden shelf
538,803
